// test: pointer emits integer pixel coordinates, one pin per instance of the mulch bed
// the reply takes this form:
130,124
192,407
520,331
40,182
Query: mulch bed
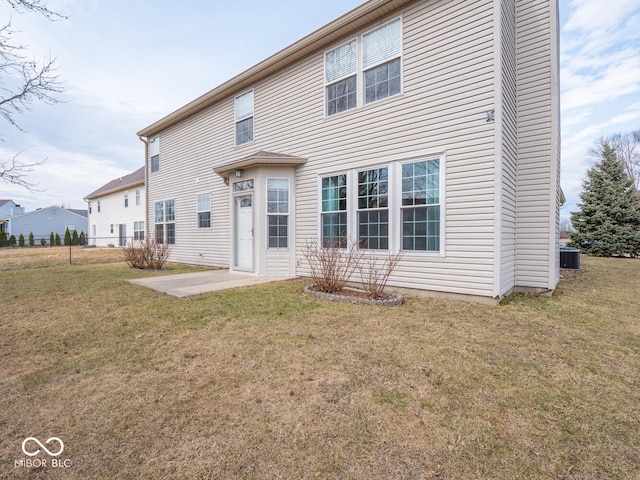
353,295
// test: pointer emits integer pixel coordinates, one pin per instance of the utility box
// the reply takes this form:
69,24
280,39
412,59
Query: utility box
569,258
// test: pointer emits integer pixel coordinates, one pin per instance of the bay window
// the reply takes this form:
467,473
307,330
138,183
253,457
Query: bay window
278,212
334,211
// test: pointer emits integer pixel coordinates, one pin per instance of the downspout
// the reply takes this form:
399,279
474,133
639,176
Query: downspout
146,185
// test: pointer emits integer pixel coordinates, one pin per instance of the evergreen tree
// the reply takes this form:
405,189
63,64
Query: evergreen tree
32,241
67,237
12,240
57,239
52,240
74,238
81,239
3,239
21,240
608,222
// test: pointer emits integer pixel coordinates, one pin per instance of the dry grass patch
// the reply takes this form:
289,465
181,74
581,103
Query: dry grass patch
263,382
18,258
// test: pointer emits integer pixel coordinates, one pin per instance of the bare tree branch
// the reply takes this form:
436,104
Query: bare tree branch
16,172
35,6
24,81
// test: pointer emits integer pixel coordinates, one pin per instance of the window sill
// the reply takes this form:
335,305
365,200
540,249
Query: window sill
365,106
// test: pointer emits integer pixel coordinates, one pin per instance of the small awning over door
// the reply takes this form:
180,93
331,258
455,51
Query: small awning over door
259,159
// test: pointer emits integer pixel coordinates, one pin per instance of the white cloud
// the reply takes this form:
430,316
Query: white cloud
598,15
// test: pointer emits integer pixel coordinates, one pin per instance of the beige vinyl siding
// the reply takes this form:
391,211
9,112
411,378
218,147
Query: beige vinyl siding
448,85
509,145
186,153
537,155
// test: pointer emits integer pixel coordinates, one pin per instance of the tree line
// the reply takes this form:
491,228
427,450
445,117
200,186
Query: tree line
70,238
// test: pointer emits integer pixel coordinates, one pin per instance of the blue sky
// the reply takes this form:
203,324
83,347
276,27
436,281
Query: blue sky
128,63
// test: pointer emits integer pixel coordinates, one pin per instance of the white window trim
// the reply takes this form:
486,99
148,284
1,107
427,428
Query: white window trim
198,212
164,222
390,204
356,73
288,214
441,192
395,204
154,150
360,69
348,175
362,98
237,119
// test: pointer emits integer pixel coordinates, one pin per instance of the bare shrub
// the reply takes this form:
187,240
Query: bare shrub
332,266
156,254
375,273
134,254
146,254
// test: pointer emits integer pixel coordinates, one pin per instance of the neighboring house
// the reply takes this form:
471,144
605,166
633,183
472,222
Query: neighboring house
426,127
8,208
43,221
117,211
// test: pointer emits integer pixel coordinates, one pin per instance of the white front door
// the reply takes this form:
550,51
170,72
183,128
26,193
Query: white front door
244,232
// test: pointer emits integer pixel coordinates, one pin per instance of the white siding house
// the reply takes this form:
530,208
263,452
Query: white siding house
117,211
428,127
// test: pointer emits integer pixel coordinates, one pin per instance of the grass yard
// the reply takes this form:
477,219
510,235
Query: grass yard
264,383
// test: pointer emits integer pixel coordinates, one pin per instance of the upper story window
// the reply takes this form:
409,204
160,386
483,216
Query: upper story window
244,118
98,205
382,50
90,206
341,73
378,70
126,199
154,153
137,196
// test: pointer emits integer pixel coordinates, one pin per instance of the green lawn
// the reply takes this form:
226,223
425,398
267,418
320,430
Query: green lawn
263,382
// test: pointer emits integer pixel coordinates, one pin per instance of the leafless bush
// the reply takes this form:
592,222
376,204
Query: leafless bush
134,254
375,273
146,254
156,254
332,267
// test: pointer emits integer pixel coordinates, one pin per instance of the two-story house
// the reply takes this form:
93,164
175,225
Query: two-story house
117,211
428,127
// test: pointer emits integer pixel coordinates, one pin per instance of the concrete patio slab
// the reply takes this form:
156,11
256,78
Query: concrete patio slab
188,284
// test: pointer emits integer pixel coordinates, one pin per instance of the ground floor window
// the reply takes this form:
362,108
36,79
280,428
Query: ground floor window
421,206
278,212
373,209
395,207
138,230
204,211
333,218
165,222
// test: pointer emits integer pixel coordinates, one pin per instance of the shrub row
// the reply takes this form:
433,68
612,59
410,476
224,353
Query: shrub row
69,239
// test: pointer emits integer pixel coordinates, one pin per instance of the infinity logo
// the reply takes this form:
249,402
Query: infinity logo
33,439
